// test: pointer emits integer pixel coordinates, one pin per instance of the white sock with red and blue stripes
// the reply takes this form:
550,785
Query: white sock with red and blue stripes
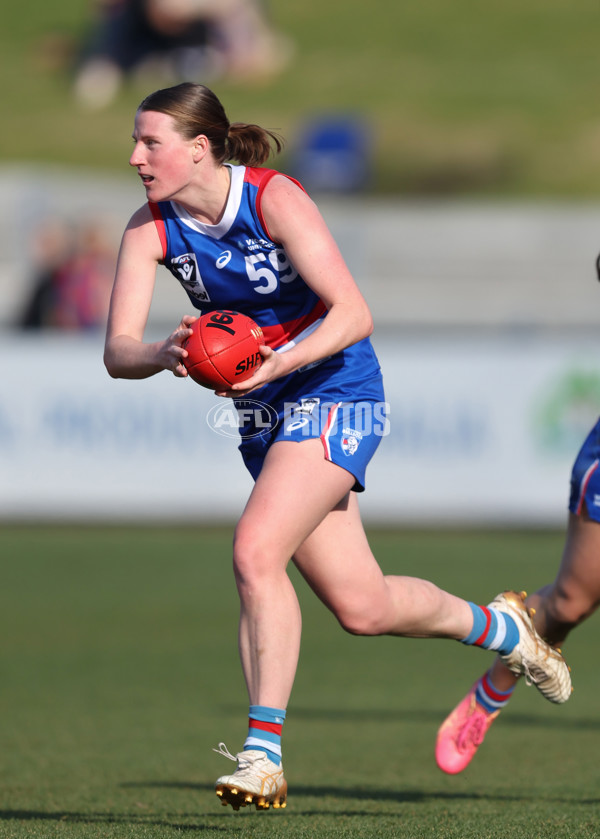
264,731
492,630
489,697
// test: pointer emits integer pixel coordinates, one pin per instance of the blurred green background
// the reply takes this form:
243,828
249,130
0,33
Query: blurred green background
464,98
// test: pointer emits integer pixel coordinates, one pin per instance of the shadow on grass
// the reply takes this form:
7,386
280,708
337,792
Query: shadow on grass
353,794
70,817
374,715
366,794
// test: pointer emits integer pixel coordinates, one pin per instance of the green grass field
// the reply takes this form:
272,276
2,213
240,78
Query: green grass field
119,674
467,98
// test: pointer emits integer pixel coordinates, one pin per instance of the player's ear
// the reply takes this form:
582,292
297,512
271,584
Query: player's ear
201,146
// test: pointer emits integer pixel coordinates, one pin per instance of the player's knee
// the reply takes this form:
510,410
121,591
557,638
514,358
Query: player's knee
253,559
358,620
246,562
568,607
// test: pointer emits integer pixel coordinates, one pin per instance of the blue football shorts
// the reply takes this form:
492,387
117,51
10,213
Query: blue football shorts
350,421
585,477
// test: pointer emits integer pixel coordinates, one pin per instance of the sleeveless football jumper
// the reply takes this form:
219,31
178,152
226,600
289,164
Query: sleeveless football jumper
236,265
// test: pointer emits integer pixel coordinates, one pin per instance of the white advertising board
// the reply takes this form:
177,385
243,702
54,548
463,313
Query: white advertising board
483,429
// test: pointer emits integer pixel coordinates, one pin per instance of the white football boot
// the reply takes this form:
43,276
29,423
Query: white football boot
257,780
541,664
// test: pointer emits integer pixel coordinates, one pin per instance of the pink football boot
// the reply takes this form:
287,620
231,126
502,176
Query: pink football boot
461,734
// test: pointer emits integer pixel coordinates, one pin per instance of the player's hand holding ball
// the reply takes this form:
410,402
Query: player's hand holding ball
267,371
171,353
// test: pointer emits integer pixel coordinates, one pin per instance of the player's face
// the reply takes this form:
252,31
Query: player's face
163,158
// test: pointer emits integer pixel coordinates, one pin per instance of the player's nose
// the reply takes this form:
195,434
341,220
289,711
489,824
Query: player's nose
136,158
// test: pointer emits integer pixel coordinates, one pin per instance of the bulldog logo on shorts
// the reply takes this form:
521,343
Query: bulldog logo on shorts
350,440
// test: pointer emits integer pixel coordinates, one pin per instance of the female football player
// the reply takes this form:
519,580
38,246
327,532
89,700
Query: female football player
557,608
250,239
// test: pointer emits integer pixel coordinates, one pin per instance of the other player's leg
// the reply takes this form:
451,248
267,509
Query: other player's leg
557,608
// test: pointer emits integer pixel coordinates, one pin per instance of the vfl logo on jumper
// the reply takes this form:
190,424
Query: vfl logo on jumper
243,418
302,413
350,440
254,244
223,259
188,274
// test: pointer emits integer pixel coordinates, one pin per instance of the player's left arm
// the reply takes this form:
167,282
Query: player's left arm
294,221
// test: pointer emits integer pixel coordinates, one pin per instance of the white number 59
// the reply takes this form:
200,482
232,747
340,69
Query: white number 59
264,272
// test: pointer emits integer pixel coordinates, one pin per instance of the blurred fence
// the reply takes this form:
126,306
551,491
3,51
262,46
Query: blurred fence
425,264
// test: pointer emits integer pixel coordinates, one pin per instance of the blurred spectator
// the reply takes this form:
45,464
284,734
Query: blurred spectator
182,39
74,274
50,248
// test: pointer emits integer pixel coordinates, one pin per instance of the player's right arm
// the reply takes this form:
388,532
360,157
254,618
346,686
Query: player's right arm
126,356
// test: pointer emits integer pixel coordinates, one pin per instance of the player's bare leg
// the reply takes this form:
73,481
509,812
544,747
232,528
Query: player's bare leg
337,562
367,602
291,496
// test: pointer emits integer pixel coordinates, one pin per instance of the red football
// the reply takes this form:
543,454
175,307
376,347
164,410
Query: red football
223,349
